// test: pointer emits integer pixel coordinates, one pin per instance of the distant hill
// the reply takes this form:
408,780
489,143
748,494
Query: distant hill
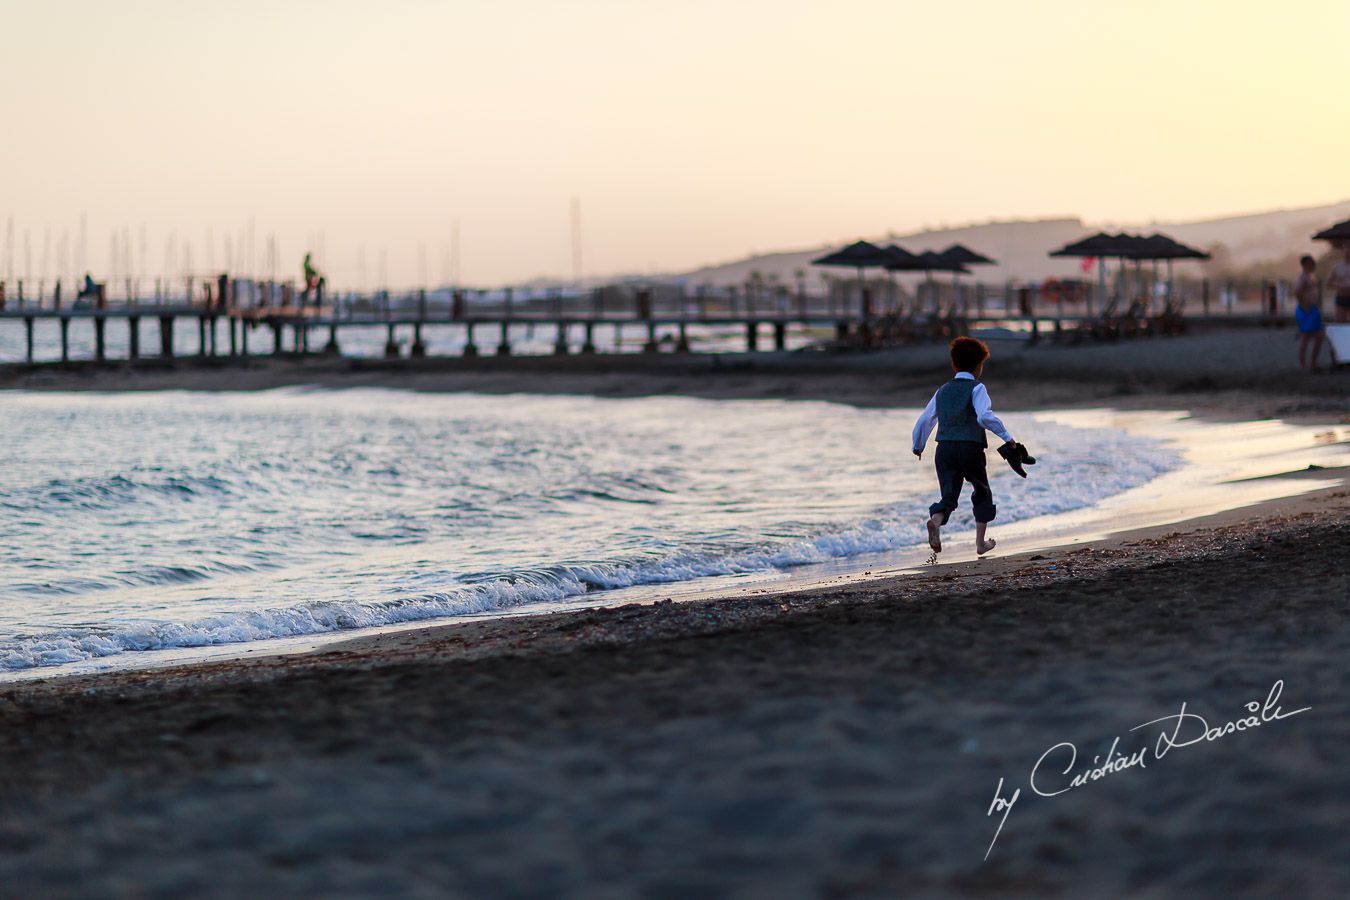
1021,247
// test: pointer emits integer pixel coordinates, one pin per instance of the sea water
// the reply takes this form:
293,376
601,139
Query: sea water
135,522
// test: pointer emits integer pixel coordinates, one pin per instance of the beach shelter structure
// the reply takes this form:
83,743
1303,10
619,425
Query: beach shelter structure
929,262
1160,246
1338,232
901,261
1129,247
859,255
1098,246
964,256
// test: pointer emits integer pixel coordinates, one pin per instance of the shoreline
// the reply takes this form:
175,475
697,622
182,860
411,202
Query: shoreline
1203,485
519,630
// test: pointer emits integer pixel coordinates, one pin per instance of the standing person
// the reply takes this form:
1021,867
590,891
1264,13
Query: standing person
962,413
1308,313
1340,283
311,276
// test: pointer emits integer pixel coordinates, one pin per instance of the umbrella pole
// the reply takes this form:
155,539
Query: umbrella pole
1153,285
1171,285
862,297
1101,285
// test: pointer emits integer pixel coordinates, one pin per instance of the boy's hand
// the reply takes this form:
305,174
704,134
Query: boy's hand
919,454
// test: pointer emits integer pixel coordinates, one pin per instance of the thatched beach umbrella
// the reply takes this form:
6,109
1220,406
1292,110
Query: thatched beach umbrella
1160,246
960,255
1336,233
901,261
929,262
964,256
859,255
1128,246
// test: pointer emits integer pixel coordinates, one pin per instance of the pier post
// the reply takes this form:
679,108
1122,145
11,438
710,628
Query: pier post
751,336
211,327
390,345
301,336
28,336
560,345
588,346
166,337
504,346
331,348
133,337
201,335
779,336
651,346
682,345
100,345
243,337
65,339
2,295
276,336
234,335
470,348
419,349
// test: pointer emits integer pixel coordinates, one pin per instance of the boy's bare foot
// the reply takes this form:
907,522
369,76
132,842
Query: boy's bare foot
983,547
934,537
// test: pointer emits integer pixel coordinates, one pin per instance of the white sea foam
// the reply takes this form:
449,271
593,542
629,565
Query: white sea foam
331,511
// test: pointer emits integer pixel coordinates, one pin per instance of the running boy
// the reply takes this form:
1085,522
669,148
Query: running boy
961,411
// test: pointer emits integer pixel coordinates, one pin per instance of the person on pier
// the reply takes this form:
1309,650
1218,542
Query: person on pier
314,282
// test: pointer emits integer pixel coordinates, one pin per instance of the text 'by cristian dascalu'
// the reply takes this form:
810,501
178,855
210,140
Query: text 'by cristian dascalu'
1057,771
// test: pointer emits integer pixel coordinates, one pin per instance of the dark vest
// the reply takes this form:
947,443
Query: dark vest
956,413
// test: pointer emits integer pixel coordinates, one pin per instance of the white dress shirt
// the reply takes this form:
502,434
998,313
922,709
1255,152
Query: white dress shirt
984,414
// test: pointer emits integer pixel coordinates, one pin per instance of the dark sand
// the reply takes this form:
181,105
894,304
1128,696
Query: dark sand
834,742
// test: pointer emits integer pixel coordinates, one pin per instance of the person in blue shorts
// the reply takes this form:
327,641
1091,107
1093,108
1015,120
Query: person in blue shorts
1308,313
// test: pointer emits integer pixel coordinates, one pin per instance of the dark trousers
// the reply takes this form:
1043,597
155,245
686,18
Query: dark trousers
959,462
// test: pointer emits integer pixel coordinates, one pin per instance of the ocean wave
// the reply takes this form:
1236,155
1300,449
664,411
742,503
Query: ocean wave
487,591
98,492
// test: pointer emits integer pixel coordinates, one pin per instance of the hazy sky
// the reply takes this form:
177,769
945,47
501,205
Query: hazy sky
692,132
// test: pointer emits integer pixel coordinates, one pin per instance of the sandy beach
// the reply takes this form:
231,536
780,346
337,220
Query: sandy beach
845,741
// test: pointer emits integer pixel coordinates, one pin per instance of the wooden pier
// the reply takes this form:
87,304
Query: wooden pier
225,330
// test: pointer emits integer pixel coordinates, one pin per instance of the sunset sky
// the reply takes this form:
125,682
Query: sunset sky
691,132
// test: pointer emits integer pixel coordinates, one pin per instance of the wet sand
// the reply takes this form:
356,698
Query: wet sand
834,742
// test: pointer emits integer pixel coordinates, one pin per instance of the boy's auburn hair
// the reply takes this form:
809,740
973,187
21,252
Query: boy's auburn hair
968,354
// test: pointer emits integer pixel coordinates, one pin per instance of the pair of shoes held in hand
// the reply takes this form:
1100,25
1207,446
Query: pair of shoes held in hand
1017,456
